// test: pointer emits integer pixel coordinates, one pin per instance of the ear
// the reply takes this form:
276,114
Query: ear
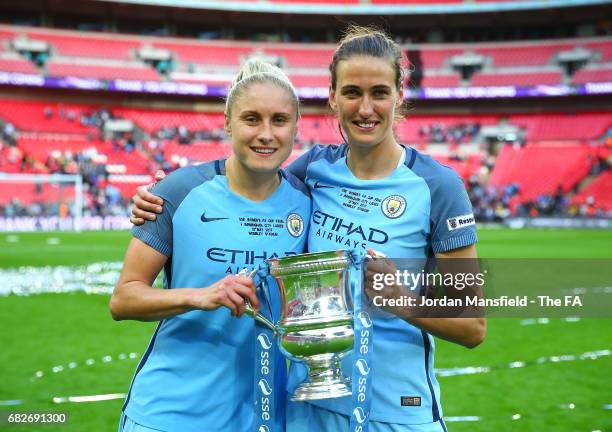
332,99
227,125
400,99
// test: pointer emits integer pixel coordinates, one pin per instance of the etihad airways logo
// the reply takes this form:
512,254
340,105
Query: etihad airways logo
243,257
337,227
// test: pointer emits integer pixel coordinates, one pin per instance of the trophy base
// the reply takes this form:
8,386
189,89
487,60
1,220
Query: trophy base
325,379
322,390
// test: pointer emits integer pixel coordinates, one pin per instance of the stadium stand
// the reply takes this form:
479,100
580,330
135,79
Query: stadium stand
18,65
516,79
541,169
598,193
67,137
603,74
439,81
152,120
28,194
35,116
388,2
213,62
571,126
533,54
133,72
72,44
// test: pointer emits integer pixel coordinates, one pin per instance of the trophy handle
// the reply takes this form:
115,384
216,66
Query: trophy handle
251,312
259,317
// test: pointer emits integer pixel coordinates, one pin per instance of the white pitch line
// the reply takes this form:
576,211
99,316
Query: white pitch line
12,402
462,419
92,398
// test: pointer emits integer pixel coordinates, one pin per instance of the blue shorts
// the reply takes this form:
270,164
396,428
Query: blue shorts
305,417
126,424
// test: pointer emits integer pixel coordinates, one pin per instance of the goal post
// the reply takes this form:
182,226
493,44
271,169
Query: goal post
59,190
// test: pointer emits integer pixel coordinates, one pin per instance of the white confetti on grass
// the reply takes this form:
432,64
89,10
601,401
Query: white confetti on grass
472,370
97,278
544,321
89,362
515,416
53,241
12,239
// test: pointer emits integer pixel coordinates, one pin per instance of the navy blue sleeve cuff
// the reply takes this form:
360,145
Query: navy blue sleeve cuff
151,240
454,242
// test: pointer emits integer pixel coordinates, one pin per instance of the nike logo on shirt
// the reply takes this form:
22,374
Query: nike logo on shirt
318,185
203,218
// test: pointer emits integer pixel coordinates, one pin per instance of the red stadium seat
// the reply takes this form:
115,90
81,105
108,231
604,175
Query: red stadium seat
593,75
600,189
17,65
553,126
30,116
151,120
516,79
58,68
541,169
79,44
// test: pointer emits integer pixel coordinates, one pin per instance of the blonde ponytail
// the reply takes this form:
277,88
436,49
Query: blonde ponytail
253,71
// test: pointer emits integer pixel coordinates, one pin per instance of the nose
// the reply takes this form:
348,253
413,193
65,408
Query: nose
365,107
265,135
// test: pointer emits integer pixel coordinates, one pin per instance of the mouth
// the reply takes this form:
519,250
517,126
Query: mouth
264,151
365,126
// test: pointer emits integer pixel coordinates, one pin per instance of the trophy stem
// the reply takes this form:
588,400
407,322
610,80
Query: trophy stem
325,379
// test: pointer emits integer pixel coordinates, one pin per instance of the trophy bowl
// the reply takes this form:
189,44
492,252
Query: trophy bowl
316,320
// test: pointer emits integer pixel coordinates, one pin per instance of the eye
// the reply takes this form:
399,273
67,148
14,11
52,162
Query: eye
381,93
250,119
350,93
281,120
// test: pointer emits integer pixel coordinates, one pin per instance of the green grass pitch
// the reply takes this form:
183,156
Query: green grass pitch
75,334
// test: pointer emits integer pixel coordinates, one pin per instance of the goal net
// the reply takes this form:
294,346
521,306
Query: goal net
33,202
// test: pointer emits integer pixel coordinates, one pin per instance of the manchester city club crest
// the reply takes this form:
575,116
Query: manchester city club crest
394,206
295,224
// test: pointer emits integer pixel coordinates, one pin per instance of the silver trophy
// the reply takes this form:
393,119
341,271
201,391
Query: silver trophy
316,319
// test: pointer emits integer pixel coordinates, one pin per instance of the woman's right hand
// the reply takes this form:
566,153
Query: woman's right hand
146,205
231,292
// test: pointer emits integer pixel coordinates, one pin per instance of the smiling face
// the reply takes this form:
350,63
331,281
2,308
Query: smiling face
262,124
366,99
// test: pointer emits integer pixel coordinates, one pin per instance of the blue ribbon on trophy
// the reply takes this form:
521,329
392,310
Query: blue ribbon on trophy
362,351
321,317
269,400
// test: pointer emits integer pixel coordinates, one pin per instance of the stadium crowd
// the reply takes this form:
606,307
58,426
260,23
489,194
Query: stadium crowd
491,204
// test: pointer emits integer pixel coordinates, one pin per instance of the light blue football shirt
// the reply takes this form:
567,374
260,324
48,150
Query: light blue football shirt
420,209
198,370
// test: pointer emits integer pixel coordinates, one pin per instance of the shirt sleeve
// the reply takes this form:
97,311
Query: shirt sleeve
452,218
158,233
299,166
